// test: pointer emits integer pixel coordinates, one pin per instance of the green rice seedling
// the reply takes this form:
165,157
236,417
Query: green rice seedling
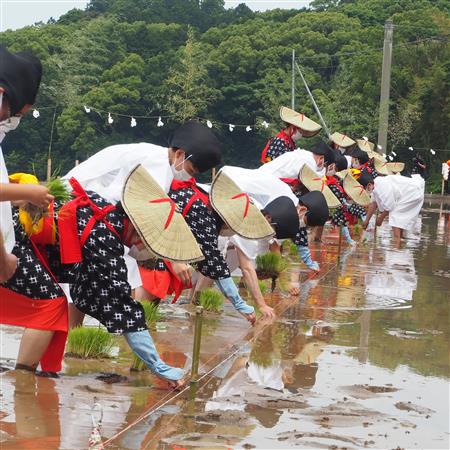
59,190
270,265
211,300
263,287
357,229
152,315
89,342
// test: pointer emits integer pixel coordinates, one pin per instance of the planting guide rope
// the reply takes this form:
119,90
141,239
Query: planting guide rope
165,400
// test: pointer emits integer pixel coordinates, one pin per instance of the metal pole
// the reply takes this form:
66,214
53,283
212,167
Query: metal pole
385,86
313,101
197,341
293,81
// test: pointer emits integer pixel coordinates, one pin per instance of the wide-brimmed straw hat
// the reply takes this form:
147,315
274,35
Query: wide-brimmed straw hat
154,215
381,166
342,174
307,126
355,191
314,182
342,140
395,167
237,209
369,148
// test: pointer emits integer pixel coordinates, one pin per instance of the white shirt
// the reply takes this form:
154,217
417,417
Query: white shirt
6,221
106,171
289,164
401,196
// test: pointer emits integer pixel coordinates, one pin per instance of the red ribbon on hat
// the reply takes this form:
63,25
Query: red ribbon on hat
323,183
173,207
247,201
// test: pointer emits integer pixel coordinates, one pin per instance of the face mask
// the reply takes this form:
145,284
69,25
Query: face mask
183,174
355,165
341,149
9,124
296,136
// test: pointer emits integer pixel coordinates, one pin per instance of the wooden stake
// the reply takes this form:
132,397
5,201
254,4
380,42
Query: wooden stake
49,168
197,342
77,162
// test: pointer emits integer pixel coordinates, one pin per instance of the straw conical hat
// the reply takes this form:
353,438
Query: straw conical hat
237,210
153,214
314,182
380,166
355,191
366,146
369,148
309,127
342,140
395,167
342,173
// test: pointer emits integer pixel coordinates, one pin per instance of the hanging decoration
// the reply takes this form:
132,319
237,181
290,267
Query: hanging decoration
133,122
36,113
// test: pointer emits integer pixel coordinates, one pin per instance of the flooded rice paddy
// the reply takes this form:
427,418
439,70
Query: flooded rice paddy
360,359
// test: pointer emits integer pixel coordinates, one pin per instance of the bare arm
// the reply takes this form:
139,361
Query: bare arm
8,262
251,279
381,217
33,193
371,210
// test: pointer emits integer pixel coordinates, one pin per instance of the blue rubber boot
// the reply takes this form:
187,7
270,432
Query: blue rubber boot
230,291
142,344
305,255
348,238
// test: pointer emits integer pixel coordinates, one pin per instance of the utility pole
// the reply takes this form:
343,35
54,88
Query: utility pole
385,86
293,81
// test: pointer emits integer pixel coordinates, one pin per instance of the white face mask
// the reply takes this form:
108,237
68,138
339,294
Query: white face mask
183,174
341,149
296,136
355,165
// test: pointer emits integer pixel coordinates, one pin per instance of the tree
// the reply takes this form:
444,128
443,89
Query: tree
188,93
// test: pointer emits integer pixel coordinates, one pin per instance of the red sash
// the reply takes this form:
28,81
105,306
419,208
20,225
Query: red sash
198,194
286,139
70,243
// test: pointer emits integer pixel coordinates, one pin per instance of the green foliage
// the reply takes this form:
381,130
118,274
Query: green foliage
186,58
211,300
89,342
270,264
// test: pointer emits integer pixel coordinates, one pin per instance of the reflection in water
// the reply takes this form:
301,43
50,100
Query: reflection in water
394,284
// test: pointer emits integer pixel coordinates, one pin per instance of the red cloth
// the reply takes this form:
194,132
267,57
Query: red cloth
70,243
333,181
198,194
293,182
162,283
21,311
283,136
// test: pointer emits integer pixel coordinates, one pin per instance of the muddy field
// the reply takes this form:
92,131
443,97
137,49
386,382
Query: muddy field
359,360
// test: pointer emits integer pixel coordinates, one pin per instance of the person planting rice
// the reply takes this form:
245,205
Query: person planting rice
297,125
397,197
193,149
87,253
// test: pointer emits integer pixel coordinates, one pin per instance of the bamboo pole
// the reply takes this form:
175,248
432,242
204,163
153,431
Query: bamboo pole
197,342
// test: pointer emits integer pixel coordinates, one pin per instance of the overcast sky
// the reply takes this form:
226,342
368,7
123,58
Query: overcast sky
19,13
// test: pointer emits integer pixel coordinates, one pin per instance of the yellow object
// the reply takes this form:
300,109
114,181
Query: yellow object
356,173
24,216
23,178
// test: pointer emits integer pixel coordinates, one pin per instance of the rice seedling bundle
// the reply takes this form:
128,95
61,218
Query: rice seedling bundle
211,300
89,342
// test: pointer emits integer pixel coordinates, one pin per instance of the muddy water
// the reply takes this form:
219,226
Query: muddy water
359,359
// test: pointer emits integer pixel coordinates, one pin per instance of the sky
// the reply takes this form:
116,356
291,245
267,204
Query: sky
19,13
